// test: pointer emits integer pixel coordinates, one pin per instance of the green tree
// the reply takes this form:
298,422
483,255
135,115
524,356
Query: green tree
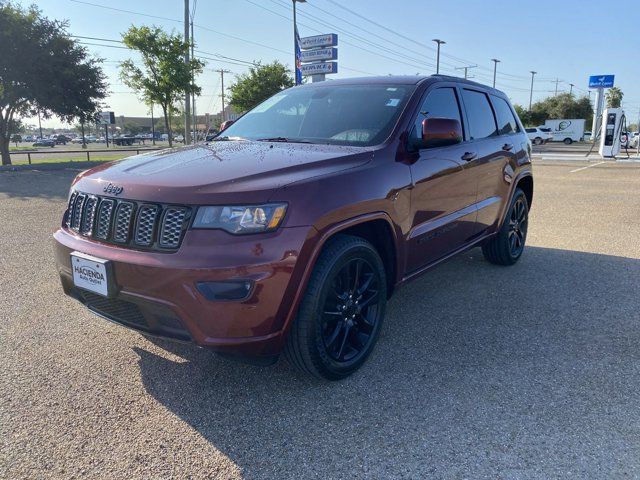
524,114
560,106
614,97
260,83
41,68
133,128
165,78
16,138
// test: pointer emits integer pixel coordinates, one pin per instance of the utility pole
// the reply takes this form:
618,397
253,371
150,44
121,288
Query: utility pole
465,69
222,72
193,95
571,89
297,75
531,92
556,82
495,68
40,125
439,42
187,98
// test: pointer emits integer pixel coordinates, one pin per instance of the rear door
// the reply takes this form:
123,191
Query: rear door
444,188
495,146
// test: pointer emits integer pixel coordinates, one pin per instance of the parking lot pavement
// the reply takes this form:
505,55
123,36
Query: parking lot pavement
481,371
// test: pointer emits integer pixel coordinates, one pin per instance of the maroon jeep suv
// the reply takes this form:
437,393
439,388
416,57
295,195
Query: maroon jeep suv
291,229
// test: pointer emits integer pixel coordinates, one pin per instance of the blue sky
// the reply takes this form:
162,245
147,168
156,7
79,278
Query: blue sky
558,39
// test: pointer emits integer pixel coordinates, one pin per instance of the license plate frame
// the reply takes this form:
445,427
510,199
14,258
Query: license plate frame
93,274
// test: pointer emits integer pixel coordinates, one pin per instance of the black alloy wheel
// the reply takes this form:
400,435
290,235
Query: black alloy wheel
350,311
341,313
507,245
518,220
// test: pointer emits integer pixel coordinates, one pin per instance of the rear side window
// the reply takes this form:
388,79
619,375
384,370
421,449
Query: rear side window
482,123
441,103
506,121
530,130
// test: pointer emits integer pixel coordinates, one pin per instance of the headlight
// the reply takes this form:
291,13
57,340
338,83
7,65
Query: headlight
241,219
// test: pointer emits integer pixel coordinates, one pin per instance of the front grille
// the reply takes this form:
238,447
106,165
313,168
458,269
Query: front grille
127,223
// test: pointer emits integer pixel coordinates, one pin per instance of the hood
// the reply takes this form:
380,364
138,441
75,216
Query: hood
233,171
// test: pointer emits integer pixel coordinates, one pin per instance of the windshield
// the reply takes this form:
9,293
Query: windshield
356,115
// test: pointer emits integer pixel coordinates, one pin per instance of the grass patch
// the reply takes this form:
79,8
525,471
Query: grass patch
62,159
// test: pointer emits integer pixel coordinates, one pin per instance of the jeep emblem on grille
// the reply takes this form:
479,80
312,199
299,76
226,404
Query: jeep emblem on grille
114,189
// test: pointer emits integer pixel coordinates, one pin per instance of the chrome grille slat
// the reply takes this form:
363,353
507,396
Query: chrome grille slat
172,226
78,207
146,224
122,226
89,215
72,201
128,223
105,214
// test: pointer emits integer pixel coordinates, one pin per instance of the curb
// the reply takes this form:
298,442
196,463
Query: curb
52,166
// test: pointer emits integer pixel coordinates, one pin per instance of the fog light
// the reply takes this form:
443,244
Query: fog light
225,290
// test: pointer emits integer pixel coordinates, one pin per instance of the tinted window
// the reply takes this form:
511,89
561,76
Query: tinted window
506,121
441,103
482,123
530,130
357,115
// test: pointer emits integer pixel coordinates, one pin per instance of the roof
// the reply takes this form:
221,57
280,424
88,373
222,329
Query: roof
398,80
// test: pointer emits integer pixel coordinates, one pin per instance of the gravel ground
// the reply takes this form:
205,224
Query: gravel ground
531,371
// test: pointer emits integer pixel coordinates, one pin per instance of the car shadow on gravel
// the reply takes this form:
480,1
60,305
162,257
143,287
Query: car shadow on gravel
480,371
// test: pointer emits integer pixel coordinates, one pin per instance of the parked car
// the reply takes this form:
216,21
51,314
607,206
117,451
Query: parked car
44,142
586,137
29,138
124,140
538,136
289,231
61,139
635,138
179,138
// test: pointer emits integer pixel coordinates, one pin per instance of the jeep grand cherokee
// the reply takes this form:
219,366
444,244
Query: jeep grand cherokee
291,229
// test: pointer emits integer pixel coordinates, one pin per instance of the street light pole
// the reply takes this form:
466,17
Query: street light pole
531,92
187,97
296,77
495,68
571,89
439,42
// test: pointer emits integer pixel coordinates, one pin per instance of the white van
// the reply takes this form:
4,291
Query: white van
567,130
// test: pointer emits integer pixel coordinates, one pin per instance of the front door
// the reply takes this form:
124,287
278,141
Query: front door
444,189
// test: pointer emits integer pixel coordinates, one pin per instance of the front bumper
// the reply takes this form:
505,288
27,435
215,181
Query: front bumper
157,294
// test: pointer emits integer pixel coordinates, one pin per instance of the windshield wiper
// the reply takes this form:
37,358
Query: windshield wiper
282,140
227,139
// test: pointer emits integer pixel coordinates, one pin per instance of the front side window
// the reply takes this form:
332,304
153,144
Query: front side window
482,123
355,115
440,103
506,121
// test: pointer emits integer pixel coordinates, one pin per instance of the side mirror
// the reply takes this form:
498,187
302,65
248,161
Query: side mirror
440,132
226,124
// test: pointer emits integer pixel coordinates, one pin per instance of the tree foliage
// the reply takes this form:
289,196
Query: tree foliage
164,78
614,97
43,69
562,105
260,83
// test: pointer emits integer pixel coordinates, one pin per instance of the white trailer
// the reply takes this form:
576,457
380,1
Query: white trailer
567,130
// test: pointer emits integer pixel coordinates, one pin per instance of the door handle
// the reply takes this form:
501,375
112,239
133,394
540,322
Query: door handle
468,156
507,147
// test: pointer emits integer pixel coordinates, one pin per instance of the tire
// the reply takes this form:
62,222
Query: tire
341,313
506,247
538,141
567,141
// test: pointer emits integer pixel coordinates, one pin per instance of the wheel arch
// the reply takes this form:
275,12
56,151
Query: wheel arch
525,184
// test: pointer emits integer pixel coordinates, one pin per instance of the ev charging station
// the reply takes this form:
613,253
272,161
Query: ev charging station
612,123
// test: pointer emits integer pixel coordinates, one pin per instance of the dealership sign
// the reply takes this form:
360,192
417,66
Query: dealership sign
318,54
313,55
106,118
601,81
319,68
319,41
